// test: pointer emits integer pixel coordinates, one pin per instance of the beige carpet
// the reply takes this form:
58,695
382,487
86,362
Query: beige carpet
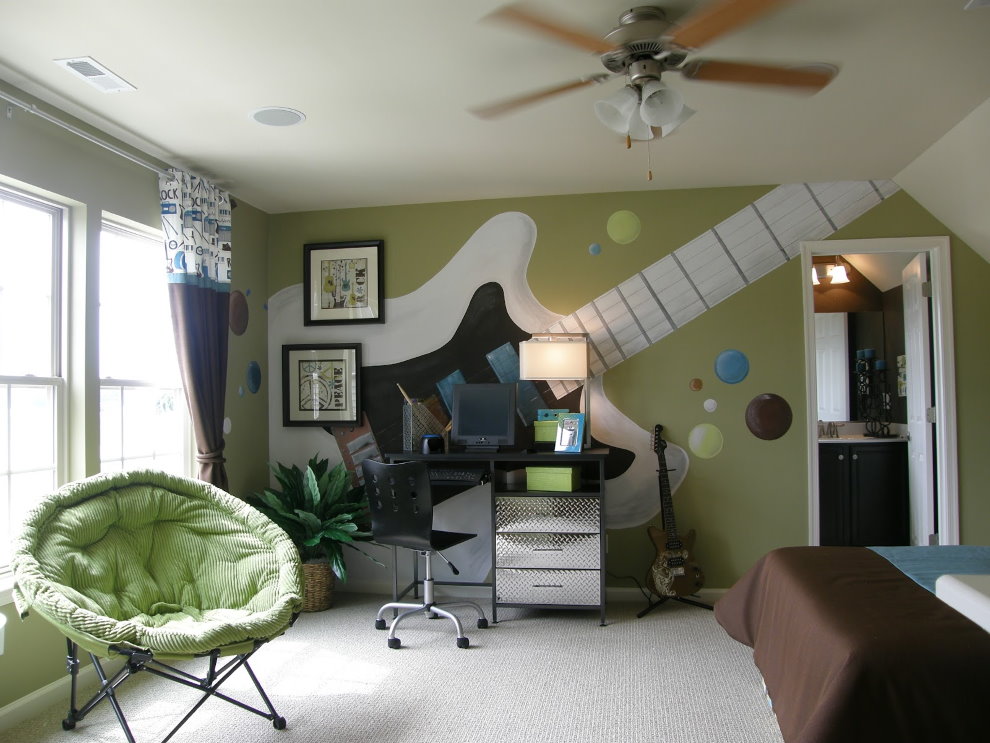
536,676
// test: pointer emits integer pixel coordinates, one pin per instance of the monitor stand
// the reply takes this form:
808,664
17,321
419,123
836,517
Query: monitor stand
480,449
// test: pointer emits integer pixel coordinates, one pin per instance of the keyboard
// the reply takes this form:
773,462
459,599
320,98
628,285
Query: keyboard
461,475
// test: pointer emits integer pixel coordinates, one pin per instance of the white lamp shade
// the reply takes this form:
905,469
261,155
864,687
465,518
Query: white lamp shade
661,105
549,358
814,276
617,110
839,275
639,129
685,114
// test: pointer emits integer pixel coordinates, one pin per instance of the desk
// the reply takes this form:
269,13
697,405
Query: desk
548,546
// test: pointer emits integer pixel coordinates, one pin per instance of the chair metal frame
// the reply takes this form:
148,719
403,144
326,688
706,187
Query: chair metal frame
138,660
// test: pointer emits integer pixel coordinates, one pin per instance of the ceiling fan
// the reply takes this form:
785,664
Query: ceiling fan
644,46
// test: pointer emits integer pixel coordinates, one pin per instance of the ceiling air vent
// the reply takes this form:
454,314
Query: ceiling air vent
95,74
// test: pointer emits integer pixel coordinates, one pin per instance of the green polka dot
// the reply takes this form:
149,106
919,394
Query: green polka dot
705,440
623,227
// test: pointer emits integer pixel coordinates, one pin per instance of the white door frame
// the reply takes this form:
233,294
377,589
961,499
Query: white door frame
943,362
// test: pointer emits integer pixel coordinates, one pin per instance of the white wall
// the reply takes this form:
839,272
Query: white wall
951,179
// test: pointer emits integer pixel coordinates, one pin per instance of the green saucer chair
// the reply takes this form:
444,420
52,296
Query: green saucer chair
156,569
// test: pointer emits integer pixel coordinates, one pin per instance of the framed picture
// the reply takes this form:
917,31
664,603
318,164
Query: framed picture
321,384
343,282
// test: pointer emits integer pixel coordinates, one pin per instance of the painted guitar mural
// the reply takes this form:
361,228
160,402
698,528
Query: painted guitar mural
672,573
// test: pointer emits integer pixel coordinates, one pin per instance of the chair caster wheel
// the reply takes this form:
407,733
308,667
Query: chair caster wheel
393,642
463,642
381,624
482,623
68,724
279,723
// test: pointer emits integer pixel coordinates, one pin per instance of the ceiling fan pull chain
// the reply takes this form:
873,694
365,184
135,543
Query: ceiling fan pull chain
649,159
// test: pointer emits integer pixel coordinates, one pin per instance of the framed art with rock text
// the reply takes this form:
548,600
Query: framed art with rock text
343,282
321,384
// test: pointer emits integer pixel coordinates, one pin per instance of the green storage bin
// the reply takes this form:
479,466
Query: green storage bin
562,479
544,431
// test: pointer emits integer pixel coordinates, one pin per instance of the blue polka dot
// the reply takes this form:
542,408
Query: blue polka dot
254,376
731,366
594,248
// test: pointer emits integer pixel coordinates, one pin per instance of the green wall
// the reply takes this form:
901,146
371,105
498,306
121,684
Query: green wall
752,497
247,441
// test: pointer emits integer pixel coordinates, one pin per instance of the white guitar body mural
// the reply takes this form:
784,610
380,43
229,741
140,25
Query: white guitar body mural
625,320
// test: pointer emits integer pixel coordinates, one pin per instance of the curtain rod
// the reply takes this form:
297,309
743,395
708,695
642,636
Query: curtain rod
33,109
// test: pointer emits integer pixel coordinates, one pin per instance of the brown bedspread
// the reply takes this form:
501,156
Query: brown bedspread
851,649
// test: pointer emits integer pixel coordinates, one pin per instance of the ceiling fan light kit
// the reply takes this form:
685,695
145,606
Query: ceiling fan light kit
661,105
644,46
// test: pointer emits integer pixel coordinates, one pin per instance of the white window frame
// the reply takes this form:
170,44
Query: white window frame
56,380
119,225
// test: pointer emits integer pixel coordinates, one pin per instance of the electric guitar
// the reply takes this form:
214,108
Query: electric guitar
672,573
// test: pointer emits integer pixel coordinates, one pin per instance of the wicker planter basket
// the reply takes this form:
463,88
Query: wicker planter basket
318,583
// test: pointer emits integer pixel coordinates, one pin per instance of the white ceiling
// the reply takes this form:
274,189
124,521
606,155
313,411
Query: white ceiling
386,87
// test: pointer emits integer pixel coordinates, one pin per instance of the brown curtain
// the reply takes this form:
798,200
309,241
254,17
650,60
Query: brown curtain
199,321
196,223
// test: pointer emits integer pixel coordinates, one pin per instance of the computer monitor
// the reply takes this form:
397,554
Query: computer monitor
483,416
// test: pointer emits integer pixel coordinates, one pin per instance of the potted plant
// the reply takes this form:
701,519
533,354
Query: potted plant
321,512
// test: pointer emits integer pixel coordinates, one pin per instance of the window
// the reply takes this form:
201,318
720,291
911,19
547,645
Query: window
144,421
31,382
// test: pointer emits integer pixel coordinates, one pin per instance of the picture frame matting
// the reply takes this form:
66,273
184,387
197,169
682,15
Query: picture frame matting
342,282
321,384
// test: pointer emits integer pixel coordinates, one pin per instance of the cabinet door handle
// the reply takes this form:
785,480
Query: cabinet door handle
841,457
855,456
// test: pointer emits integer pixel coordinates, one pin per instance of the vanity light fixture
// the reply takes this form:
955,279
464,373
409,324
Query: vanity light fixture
834,272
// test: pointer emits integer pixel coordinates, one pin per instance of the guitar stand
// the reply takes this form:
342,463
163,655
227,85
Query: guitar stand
651,605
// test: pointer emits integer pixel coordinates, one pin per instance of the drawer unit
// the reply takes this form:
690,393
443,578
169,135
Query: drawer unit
560,587
540,550
547,513
549,547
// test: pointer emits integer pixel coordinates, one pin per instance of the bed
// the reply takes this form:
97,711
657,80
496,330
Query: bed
853,648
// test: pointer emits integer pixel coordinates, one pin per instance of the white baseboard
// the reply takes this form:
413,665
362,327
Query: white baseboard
38,701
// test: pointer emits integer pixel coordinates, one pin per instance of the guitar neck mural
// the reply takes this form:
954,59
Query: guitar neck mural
768,233
421,340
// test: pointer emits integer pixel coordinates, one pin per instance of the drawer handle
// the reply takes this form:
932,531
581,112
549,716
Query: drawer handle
547,585
548,549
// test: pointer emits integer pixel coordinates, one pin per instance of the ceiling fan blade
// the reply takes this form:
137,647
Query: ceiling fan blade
503,107
810,78
718,18
520,15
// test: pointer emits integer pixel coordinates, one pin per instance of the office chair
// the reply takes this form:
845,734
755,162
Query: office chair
402,516
149,568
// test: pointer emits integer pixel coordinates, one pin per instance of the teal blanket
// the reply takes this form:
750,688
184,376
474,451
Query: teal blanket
925,564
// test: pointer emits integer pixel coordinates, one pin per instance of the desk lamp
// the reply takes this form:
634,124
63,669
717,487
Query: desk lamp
558,357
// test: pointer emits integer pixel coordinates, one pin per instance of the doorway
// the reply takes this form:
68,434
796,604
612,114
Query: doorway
944,499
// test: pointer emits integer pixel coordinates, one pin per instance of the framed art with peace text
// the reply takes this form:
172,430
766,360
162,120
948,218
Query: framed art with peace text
321,384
